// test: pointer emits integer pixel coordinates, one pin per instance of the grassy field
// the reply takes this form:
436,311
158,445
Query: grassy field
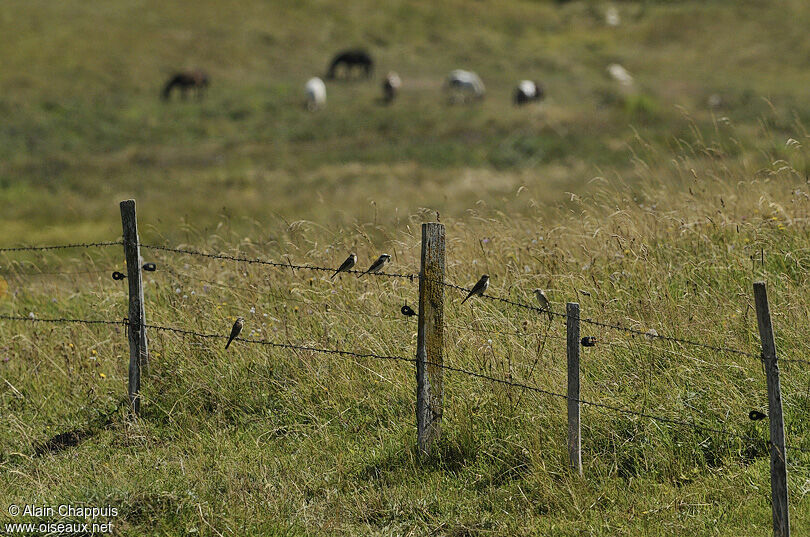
646,205
83,127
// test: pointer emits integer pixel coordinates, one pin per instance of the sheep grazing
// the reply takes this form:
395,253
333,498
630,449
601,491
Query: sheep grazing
612,16
349,61
464,86
390,87
528,91
620,74
315,91
185,81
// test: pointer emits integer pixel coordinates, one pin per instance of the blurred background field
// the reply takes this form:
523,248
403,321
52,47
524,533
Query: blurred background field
83,126
654,206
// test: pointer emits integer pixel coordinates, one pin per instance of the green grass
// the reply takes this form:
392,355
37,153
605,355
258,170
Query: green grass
655,205
83,127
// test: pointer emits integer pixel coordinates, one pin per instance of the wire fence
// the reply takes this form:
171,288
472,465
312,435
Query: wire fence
650,336
411,277
723,431
414,277
355,354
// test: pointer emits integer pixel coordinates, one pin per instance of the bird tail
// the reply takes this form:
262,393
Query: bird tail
228,343
465,300
332,277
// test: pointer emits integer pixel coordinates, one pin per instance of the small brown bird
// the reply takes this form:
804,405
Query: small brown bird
544,303
235,331
588,341
377,265
479,288
348,264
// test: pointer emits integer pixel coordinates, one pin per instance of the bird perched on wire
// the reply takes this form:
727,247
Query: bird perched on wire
348,264
377,265
544,303
235,331
479,288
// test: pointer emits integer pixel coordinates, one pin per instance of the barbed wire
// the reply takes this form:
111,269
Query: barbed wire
278,345
410,277
444,367
123,322
54,273
355,354
796,360
513,332
602,324
323,307
227,257
582,401
62,246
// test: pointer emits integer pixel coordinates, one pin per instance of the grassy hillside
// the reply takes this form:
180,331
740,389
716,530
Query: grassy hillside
651,208
83,127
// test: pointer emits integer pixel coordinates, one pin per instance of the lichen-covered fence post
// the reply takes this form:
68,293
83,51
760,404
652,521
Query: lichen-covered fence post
430,338
138,352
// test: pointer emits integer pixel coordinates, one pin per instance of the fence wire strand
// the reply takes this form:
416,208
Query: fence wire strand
35,319
279,345
54,273
257,261
611,326
61,246
320,307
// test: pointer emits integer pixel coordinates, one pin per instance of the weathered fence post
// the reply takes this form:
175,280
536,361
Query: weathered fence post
138,353
430,338
779,491
574,429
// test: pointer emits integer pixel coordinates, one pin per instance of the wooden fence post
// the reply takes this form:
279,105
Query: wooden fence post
430,338
572,343
779,490
138,353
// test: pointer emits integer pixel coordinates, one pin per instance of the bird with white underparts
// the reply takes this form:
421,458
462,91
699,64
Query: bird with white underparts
377,265
544,303
479,288
235,331
347,265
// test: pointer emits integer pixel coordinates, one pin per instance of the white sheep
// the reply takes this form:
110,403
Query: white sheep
612,17
315,91
464,85
528,91
620,74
